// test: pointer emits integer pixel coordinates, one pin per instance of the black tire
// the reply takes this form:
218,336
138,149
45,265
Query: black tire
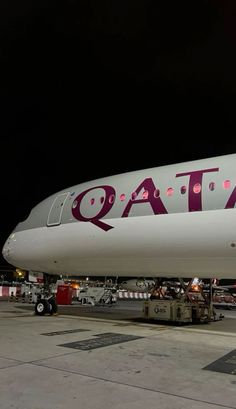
53,304
42,307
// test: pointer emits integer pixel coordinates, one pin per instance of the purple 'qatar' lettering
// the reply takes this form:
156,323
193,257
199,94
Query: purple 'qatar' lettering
232,200
195,199
155,202
109,190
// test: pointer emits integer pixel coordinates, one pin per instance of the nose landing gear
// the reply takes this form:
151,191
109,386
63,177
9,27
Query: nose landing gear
46,306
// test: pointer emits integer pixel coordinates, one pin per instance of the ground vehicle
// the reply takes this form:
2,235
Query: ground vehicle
177,311
96,296
223,299
181,303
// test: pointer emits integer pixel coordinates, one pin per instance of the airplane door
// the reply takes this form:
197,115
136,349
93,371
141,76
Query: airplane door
54,216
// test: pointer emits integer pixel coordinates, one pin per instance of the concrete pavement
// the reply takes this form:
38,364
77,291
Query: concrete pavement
58,362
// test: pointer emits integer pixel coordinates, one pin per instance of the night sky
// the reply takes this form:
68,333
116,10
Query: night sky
92,88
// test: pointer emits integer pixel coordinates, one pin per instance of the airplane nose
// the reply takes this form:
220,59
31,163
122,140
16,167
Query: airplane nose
6,251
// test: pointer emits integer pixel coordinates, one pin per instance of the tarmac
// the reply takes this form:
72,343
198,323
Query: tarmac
113,360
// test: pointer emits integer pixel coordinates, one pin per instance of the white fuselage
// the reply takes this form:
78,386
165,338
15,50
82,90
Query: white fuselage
173,221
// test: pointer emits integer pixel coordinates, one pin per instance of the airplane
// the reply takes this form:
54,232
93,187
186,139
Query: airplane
140,285
177,220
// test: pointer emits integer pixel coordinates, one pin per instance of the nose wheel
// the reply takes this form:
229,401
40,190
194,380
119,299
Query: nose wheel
44,306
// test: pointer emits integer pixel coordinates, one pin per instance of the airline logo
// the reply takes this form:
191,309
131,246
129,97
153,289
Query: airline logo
156,204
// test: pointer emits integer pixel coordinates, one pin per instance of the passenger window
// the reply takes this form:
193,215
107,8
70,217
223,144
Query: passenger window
170,191
74,204
197,188
156,193
226,184
212,186
111,199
